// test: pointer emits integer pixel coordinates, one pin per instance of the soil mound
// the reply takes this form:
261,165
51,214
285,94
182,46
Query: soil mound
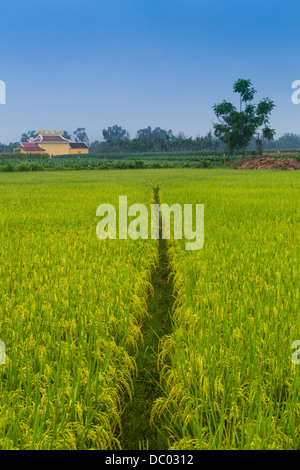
267,163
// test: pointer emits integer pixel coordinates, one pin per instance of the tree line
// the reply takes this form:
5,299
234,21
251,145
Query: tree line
179,143
117,139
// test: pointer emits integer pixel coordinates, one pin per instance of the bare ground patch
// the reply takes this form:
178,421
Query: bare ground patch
268,163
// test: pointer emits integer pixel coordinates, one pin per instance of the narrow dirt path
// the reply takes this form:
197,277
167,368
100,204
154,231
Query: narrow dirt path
136,431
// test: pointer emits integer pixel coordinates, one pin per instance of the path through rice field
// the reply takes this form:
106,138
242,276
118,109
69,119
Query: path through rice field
137,433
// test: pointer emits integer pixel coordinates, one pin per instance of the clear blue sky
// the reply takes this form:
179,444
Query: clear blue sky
96,63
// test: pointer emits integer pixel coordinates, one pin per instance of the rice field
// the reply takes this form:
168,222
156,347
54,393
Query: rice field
72,310
231,383
71,307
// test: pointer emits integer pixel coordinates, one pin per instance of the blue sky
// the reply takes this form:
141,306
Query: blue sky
139,63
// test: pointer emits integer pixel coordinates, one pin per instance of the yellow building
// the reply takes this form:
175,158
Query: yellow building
52,144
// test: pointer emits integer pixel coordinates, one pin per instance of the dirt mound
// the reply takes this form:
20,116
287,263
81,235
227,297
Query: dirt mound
267,163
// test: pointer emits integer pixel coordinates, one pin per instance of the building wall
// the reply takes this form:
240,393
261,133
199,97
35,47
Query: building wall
56,149
78,151
29,151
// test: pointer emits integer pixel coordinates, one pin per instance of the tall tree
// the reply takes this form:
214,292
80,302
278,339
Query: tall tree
142,133
115,134
66,135
154,134
28,135
288,141
236,128
80,135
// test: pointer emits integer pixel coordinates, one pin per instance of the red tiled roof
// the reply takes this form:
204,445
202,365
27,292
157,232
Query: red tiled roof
50,138
32,147
78,145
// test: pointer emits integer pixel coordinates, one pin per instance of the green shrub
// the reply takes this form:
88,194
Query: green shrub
139,164
24,166
9,168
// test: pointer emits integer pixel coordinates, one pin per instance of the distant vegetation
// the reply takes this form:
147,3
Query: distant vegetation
109,161
160,141
120,161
